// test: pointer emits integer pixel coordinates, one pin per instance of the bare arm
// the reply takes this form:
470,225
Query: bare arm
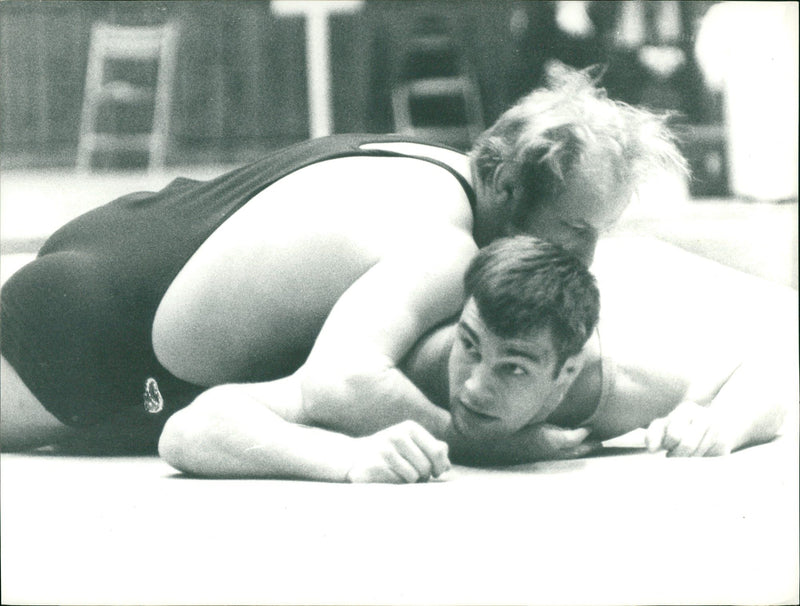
230,431
302,426
748,408
699,349
710,406
251,430
351,381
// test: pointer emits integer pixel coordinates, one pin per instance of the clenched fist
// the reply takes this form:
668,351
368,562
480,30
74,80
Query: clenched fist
405,452
690,430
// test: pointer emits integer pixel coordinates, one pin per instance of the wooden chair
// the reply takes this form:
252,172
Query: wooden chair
435,94
128,46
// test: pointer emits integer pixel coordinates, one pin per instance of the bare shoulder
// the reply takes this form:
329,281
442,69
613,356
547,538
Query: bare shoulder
367,188
416,188
413,287
435,261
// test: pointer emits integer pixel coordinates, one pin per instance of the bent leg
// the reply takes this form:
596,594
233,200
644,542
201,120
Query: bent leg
25,422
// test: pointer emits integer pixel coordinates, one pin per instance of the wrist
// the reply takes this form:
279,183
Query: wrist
732,429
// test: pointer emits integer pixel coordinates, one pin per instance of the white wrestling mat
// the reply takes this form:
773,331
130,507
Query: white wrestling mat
626,527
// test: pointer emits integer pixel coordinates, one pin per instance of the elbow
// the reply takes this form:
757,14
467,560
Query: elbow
779,413
332,400
763,430
778,422
175,441
325,398
184,439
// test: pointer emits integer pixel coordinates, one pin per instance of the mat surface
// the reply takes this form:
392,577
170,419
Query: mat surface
625,527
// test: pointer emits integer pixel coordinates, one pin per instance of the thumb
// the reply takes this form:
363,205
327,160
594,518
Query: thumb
574,437
582,449
587,448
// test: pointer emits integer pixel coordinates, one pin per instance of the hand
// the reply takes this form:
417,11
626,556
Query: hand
539,442
690,430
543,441
405,452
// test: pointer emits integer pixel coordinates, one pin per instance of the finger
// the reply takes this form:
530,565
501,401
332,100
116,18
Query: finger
676,428
561,438
582,450
691,436
589,447
435,450
706,444
389,476
712,445
718,449
572,438
401,466
413,454
381,474
654,436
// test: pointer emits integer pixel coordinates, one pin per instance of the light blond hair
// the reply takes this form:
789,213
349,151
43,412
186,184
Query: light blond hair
564,126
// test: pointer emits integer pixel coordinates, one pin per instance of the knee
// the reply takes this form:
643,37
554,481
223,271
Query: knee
55,322
25,423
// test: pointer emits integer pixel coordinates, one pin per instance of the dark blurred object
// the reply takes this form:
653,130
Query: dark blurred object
646,47
536,39
128,93
476,45
240,86
434,90
705,148
240,82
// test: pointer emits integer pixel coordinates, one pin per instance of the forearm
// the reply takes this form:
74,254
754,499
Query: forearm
225,432
752,404
351,381
368,400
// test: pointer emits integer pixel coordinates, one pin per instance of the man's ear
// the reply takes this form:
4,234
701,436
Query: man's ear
570,370
503,183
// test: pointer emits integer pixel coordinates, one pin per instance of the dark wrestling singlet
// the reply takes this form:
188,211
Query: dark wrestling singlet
77,321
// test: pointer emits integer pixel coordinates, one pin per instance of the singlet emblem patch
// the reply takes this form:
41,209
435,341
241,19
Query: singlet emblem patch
153,402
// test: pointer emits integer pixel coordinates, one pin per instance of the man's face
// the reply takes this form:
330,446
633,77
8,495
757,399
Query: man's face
590,204
497,386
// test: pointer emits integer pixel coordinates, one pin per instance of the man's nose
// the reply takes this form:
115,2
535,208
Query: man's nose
479,385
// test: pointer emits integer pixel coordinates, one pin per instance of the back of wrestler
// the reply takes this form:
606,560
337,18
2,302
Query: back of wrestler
134,308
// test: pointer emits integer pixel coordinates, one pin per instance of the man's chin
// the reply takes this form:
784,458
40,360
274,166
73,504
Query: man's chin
475,443
475,430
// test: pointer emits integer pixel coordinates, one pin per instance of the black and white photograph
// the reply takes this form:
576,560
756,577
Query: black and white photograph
399,302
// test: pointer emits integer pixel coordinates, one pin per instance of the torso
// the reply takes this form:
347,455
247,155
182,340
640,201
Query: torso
250,301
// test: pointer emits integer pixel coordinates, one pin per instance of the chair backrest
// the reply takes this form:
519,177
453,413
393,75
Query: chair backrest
120,43
132,42
435,93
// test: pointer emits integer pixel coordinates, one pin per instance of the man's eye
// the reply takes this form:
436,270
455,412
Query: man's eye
468,345
514,370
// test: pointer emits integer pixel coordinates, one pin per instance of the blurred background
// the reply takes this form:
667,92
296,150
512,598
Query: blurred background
98,99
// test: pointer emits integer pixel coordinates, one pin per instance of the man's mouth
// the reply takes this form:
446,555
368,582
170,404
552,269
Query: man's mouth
476,414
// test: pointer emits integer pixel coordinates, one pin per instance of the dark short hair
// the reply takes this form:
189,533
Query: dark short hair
523,284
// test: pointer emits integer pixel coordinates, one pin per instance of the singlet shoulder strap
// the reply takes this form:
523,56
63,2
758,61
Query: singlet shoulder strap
607,385
374,149
252,178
